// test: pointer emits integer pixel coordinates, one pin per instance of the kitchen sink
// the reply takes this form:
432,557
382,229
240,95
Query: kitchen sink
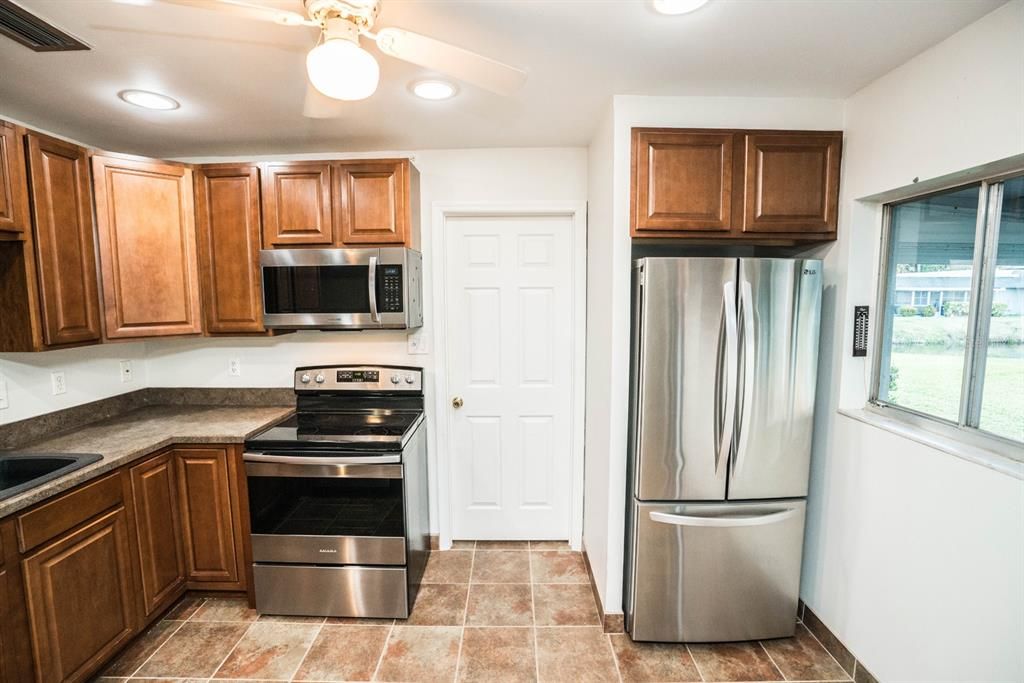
20,472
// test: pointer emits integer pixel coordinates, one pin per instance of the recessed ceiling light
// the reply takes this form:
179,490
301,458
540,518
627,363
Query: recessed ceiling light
433,90
148,100
678,6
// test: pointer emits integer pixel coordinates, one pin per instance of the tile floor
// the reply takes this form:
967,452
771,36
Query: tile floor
489,611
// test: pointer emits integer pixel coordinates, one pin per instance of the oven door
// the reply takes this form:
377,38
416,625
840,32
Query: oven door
321,288
326,510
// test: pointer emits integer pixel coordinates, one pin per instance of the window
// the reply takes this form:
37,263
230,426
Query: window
951,342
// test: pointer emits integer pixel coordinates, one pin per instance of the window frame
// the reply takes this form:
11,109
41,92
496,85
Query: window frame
986,243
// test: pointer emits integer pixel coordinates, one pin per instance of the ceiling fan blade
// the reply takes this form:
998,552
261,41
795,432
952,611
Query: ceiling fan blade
451,60
320,106
248,10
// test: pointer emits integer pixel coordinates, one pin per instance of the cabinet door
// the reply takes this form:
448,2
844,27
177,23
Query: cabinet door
4,678
791,182
80,592
373,201
209,516
682,182
297,204
147,245
65,249
228,225
154,499
14,217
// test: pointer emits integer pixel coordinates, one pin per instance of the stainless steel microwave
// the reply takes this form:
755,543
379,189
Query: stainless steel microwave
342,289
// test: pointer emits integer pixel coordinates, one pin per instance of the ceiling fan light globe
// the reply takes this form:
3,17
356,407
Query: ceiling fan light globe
342,70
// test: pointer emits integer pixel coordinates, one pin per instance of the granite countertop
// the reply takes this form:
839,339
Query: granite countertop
138,433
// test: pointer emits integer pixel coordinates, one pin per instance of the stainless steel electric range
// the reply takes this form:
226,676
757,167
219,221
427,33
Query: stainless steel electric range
338,495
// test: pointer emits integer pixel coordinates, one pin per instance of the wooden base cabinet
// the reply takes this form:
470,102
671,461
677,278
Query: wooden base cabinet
81,598
211,518
154,495
735,186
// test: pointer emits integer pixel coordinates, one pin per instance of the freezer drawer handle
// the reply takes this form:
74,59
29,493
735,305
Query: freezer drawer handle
744,520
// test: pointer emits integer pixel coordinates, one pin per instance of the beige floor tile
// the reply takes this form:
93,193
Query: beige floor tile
502,545
225,609
269,650
140,649
501,566
195,650
420,653
497,654
574,654
802,658
448,566
184,608
549,545
344,653
500,604
463,545
442,604
569,604
553,566
734,662
652,661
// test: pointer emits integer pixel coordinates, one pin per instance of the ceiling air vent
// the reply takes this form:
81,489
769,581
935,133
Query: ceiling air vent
19,24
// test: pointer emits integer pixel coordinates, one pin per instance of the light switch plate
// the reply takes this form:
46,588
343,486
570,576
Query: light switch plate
126,371
3,394
417,343
58,383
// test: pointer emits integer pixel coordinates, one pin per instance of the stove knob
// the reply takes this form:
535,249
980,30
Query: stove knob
320,378
395,379
409,379
305,378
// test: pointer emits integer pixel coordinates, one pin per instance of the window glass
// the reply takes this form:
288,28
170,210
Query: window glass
931,254
1002,404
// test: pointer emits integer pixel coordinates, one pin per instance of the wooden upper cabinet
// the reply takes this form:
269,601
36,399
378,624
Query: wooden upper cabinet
210,517
791,182
228,226
735,185
81,598
297,208
14,214
154,495
682,181
65,251
374,202
147,246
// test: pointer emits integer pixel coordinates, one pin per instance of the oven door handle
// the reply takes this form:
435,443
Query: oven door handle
383,467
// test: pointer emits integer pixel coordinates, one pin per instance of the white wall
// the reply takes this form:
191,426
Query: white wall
90,374
915,558
609,324
471,176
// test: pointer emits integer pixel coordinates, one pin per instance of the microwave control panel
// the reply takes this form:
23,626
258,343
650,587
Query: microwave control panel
392,289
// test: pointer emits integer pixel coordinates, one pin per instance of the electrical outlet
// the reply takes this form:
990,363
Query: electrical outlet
235,367
58,383
417,344
3,394
126,371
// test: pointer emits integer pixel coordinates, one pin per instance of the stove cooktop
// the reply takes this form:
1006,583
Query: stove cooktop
385,430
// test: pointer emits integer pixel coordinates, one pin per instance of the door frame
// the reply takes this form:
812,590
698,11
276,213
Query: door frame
576,211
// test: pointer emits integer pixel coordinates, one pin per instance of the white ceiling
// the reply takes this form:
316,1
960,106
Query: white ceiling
241,82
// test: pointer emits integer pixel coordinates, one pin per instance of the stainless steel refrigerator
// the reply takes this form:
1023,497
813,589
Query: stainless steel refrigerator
725,357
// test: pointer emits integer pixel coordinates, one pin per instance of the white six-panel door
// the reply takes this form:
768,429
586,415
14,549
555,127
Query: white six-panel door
509,304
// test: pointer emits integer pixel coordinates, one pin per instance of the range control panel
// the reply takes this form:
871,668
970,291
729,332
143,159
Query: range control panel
342,378
391,275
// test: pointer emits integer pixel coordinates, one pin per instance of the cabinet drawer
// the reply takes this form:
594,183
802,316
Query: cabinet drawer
68,511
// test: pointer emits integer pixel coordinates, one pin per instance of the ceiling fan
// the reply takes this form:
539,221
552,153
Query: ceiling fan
340,69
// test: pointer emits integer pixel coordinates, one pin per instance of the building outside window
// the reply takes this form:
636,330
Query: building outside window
951,344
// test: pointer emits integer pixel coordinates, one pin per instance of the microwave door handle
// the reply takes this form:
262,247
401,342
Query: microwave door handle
371,283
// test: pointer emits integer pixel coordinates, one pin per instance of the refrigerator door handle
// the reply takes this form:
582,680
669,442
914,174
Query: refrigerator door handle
728,521
726,421
747,307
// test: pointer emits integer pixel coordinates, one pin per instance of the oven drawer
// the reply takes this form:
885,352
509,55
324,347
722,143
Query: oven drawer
297,549
375,592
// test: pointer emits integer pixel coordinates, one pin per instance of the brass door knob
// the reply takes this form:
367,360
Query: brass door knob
457,402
